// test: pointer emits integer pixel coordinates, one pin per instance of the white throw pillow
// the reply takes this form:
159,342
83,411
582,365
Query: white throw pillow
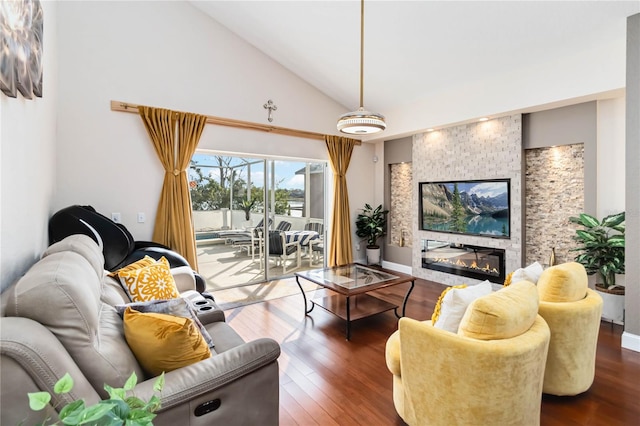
454,305
530,273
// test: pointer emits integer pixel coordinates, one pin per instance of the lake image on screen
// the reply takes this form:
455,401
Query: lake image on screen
480,208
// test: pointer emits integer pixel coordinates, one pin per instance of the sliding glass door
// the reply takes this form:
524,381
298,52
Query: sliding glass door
234,197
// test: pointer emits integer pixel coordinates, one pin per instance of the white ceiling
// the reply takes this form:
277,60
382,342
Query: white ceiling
423,47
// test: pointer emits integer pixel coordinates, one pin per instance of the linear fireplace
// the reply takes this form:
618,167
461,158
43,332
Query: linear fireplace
483,263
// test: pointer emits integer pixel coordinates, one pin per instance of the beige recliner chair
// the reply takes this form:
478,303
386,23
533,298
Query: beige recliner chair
489,373
60,317
573,312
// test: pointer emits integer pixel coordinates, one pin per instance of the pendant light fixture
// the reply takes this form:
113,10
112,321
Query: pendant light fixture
361,122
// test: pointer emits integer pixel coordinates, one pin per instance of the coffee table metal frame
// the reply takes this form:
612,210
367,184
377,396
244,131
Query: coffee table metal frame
364,305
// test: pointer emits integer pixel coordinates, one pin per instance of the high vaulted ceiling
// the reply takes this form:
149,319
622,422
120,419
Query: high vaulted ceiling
422,47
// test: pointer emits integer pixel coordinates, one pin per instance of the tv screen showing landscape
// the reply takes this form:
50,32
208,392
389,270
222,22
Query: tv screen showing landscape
478,207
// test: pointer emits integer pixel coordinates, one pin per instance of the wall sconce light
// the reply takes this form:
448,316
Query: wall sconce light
21,48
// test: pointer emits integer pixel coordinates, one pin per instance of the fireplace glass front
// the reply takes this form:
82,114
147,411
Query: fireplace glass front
483,263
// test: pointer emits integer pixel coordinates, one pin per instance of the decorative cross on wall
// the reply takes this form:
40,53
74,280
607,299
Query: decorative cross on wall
271,107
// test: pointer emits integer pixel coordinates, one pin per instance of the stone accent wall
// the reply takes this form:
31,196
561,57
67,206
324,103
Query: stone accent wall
487,150
401,211
554,187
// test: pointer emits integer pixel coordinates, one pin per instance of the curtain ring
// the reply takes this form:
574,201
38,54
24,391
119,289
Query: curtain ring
176,172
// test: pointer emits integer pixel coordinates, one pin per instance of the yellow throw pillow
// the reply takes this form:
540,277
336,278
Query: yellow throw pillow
507,313
566,282
162,342
145,261
152,282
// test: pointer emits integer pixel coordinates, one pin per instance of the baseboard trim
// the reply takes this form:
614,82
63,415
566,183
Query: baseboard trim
398,267
631,341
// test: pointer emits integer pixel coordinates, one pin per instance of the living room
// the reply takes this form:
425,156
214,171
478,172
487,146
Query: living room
68,147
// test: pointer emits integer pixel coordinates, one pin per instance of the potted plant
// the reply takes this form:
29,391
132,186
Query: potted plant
247,205
601,251
371,225
118,410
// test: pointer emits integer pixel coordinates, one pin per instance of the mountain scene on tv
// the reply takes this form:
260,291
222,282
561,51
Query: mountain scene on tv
480,208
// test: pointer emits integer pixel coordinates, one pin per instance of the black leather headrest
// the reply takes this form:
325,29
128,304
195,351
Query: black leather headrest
116,241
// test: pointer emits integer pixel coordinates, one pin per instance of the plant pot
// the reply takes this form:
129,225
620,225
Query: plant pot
373,255
613,303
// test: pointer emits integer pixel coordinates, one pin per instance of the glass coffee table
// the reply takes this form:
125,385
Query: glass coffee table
351,283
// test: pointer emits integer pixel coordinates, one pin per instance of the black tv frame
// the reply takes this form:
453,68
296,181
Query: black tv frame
468,181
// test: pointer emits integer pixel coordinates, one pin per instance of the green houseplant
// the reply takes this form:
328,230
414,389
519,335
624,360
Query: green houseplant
370,226
602,245
601,251
118,410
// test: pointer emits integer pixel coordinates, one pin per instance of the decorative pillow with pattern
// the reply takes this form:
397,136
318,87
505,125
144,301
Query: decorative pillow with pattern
152,282
145,261
177,307
453,304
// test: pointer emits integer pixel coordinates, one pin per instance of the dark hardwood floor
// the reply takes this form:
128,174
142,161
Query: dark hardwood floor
327,380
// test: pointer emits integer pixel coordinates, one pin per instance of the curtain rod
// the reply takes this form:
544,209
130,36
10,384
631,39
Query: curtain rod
229,122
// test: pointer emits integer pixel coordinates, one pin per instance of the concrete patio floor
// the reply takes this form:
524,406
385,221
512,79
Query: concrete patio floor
224,266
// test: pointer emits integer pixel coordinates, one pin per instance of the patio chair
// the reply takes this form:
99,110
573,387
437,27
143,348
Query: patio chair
316,254
315,226
250,242
283,226
236,235
315,247
283,251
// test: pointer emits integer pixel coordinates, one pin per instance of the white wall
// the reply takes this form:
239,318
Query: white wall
27,158
169,54
610,156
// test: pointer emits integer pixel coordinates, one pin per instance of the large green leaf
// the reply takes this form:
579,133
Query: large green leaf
158,385
38,400
585,235
95,412
115,393
588,220
71,414
616,241
121,408
613,220
131,382
64,385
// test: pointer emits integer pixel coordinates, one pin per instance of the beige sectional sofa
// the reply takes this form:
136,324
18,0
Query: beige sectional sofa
60,317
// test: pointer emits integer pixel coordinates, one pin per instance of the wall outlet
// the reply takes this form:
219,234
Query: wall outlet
358,247
141,217
116,217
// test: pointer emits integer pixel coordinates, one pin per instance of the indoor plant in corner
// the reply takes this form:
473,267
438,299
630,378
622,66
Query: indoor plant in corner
371,225
601,251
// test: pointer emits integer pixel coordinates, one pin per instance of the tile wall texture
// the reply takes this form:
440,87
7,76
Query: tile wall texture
401,211
486,150
554,188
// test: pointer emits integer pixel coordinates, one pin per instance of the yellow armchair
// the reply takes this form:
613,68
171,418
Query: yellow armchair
573,312
494,377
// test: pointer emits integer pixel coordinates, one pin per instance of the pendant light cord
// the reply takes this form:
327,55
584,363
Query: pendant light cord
361,53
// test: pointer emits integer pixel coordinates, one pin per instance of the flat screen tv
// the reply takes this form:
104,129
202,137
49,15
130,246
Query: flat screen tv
472,207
